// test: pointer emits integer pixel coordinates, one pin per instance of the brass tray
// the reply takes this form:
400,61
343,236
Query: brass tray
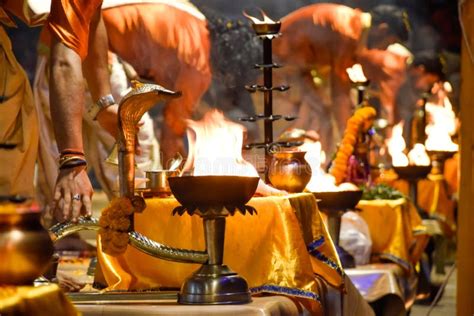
123,297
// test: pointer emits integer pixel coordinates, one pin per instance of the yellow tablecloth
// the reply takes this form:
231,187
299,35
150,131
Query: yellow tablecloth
434,197
46,300
396,230
279,250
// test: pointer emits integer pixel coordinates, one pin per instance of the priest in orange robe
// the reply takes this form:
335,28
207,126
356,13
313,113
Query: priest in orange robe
320,42
78,49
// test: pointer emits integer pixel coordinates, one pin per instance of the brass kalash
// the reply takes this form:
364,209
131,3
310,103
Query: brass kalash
213,282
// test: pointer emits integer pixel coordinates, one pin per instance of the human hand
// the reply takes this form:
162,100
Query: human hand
72,194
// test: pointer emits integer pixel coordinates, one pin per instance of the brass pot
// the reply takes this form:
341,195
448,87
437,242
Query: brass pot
289,171
158,181
25,246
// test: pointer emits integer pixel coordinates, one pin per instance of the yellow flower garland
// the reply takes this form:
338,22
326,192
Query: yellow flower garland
114,226
361,120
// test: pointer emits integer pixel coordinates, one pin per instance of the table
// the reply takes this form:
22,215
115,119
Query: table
271,305
385,284
277,251
44,300
396,230
351,303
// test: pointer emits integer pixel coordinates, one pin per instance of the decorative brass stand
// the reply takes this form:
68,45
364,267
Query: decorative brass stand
267,32
335,204
413,174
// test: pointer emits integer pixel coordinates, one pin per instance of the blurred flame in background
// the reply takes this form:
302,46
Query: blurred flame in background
441,124
320,180
418,156
396,146
255,20
356,74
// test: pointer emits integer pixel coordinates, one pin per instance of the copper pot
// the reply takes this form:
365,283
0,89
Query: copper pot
158,181
289,171
25,246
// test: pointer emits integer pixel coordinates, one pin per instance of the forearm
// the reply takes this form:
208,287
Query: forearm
95,65
96,72
66,96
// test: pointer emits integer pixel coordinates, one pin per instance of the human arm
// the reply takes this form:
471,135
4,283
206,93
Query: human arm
95,69
388,70
70,27
67,105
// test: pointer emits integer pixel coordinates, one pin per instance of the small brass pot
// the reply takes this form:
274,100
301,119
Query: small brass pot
289,171
158,181
25,246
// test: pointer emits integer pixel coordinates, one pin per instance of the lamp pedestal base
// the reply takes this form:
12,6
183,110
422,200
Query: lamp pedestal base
214,284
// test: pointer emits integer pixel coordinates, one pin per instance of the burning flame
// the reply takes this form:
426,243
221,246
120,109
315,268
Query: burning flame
215,148
266,19
356,74
396,147
320,180
418,156
441,126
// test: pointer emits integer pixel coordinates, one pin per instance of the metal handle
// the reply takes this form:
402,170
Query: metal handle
135,239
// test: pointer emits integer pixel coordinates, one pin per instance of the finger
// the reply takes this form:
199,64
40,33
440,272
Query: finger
66,208
76,209
87,205
56,198
57,211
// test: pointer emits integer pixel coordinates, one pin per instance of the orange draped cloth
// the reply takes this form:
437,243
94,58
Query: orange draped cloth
436,193
22,11
278,250
396,230
70,20
167,43
433,196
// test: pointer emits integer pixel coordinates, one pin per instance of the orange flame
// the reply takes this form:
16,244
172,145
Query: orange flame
396,146
418,156
320,180
254,20
215,148
441,126
356,73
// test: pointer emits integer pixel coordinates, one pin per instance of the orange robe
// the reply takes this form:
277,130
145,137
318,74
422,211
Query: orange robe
70,20
326,39
169,46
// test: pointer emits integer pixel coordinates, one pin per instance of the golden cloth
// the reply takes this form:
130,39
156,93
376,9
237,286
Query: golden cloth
18,124
279,250
396,230
434,197
45,300
70,21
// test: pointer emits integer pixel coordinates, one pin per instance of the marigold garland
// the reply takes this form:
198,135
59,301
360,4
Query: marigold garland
114,225
361,120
